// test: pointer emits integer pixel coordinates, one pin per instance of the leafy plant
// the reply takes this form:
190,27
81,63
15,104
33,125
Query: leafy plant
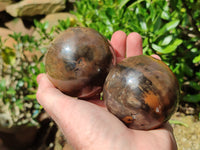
18,78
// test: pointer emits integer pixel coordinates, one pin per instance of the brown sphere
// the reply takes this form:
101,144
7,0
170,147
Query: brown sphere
142,92
78,61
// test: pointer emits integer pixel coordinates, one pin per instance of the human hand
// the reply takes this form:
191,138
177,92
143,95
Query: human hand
87,125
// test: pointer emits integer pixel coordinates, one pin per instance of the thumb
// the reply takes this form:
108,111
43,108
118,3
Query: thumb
50,97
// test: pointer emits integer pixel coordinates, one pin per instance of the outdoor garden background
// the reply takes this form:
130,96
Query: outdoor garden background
169,28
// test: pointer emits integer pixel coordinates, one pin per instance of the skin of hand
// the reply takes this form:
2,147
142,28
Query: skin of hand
87,125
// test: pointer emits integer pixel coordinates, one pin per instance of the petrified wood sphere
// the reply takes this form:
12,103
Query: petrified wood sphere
78,61
142,92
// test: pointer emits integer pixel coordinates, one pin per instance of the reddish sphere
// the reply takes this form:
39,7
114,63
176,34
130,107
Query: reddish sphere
142,92
78,61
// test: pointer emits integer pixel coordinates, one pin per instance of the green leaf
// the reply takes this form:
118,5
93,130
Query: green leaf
172,47
192,98
110,12
178,122
196,59
157,48
2,84
188,70
168,27
36,23
8,56
45,24
30,96
19,104
172,25
167,40
198,75
42,67
11,91
167,49
123,3
195,85
156,24
165,15
136,2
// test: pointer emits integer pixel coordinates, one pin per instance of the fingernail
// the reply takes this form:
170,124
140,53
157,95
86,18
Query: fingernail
156,56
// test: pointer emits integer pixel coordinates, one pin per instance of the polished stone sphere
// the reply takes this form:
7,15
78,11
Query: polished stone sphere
142,92
78,61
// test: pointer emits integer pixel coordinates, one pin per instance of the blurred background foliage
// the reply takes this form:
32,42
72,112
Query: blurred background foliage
170,29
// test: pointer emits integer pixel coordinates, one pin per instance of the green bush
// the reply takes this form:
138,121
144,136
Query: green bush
170,29
18,79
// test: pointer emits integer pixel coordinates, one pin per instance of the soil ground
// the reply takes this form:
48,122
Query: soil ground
187,127
187,131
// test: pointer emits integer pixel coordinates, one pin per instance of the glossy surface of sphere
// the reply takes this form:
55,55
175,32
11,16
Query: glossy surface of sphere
78,61
142,92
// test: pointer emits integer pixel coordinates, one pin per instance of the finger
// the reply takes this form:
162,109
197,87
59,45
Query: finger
49,97
134,44
118,41
156,56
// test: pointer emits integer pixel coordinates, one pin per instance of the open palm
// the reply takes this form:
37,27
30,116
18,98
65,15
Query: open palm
88,125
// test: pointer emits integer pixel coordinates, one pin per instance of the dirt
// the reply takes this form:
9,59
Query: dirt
186,125
187,132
